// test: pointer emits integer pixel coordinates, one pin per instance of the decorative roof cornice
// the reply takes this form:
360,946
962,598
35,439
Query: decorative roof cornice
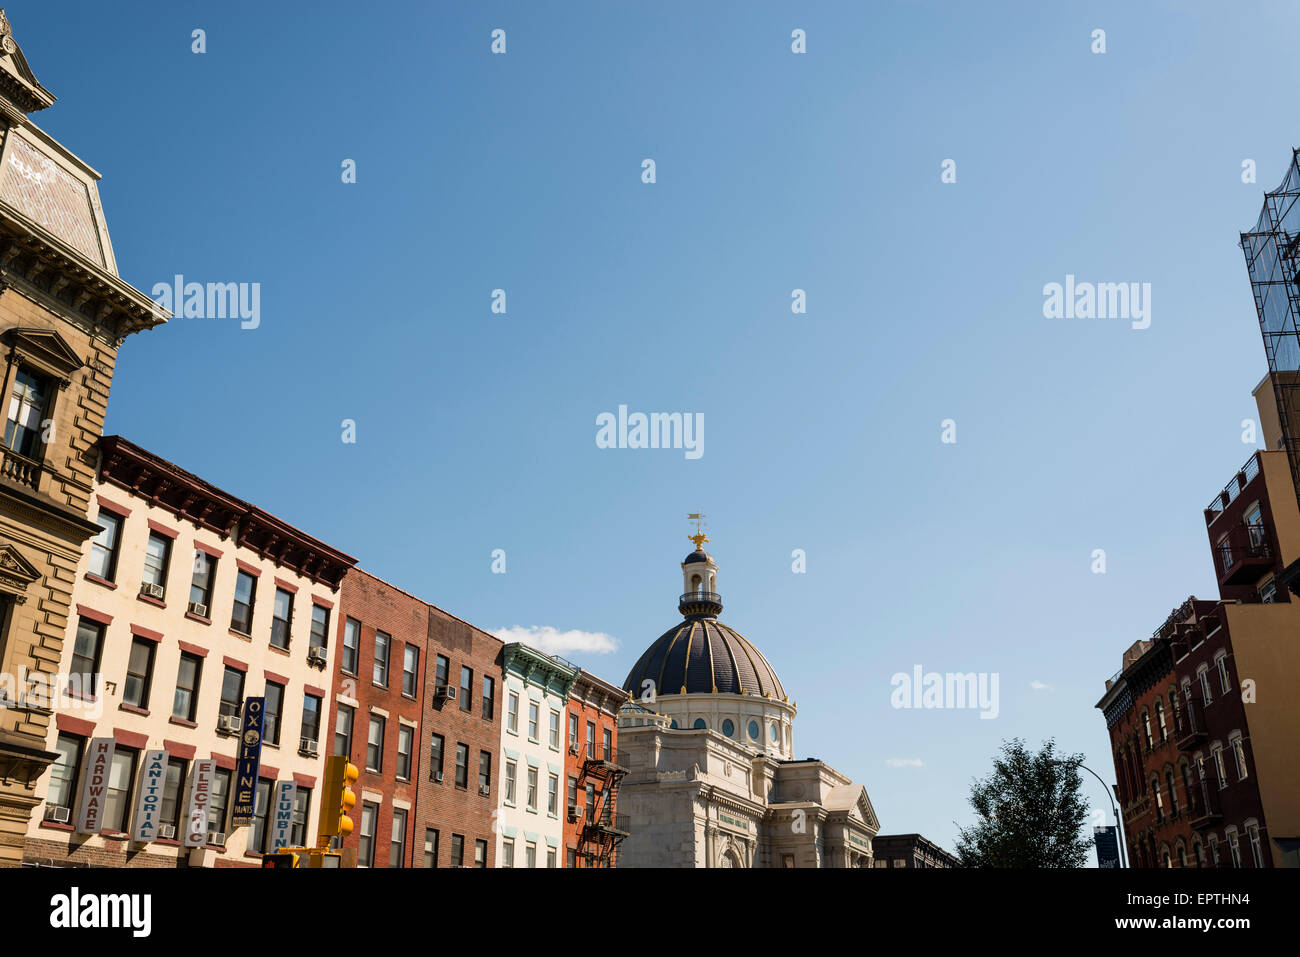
539,668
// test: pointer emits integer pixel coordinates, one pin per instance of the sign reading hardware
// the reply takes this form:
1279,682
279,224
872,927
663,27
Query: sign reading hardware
148,813
196,817
244,807
94,786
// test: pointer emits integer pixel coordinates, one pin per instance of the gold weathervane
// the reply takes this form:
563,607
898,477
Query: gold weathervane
699,538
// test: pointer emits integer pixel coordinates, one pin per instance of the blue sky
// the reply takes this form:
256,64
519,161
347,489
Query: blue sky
775,171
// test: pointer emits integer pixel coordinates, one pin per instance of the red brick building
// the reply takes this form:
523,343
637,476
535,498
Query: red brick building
592,773
460,738
378,693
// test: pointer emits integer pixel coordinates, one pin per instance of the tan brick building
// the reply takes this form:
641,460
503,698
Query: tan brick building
63,314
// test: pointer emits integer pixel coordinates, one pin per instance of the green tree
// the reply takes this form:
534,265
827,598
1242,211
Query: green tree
1030,811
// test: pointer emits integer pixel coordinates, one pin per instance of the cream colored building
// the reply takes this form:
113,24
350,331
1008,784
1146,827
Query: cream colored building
708,744
188,602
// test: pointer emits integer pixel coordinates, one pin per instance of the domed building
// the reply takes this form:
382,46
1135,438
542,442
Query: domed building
708,743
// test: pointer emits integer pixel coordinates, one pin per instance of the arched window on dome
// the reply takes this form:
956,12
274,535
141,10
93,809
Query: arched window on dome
776,733
673,725
754,730
728,728
700,724
697,584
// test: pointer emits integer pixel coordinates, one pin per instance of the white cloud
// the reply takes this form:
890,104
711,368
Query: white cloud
556,642
904,762
1039,686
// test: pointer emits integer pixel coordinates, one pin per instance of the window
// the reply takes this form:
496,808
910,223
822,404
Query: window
607,744
511,770
441,669
27,405
1239,755
555,730
232,692
573,792
435,757
343,730
532,721
462,765
480,853
1219,767
532,789
397,846
311,705
1214,850
117,800
508,852
466,688
217,803
301,811
430,847
187,686
1204,677
379,674
457,850
573,732
351,646
1160,720
63,773
550,857
484,772
410,669
157,555
366,846
571,857
591,740
1160,804
104,549
1146,730
1222,663
85,654
512,713
205,572
139,670
241,619
173,788
729,728
375,744
320,628
281,614
489,696
1256,851
753,731
589,815
274,710
1234,849
1199,850
405,744
553,795
1173,795
530,854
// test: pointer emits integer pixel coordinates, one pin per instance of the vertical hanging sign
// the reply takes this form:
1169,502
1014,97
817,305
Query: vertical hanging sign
148,813
94,785
196,815
244,805
286,796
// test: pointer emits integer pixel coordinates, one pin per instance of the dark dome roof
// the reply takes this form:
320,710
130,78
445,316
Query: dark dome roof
703,656
699,555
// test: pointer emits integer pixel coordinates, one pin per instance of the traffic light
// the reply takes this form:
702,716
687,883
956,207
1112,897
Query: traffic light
338,799
282,859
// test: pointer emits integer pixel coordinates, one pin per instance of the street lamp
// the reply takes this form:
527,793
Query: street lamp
1119,825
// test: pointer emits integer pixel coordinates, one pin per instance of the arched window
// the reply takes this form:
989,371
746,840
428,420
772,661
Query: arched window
1146,727
1173,795
1198,851
700,724
1160,805
1182,855
1160,720
728,728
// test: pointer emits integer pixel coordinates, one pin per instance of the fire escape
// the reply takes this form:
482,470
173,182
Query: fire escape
602,828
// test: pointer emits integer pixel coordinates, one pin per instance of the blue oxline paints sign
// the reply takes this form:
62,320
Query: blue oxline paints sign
250,756
148,813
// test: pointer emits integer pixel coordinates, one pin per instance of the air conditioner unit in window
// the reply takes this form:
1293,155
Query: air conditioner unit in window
573,749
217,838
229,723
446,692
307,746
167,832
316,656
198,608
484,789
437,776
59,815
152,590
575,813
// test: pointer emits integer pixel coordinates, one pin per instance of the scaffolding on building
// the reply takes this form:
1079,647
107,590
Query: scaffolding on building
1272,250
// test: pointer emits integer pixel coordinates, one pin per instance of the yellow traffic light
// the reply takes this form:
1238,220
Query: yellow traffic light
337,799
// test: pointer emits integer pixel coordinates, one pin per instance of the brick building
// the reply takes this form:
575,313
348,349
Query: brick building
64,312
461,736
909,851
378,694
592,772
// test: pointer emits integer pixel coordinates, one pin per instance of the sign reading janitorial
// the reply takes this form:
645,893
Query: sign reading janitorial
94,785
244,804
286,796
1107,841
196,814
148,813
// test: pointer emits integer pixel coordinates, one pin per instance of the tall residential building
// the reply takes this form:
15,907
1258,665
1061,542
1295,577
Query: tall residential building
186,603
64,312
537,690
592,830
